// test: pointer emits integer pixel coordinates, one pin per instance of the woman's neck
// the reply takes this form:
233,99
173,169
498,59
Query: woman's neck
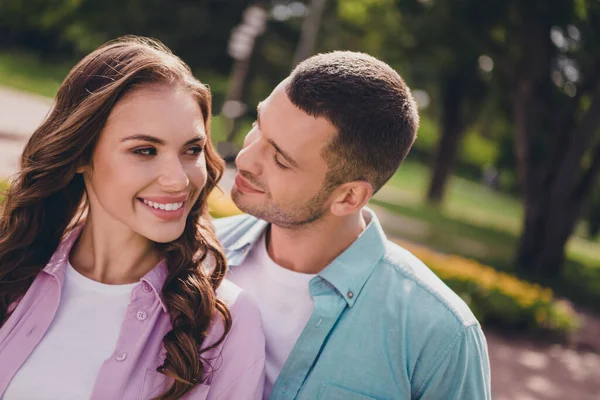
113,255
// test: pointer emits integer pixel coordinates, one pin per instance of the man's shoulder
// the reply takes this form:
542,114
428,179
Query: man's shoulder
414,282
227,227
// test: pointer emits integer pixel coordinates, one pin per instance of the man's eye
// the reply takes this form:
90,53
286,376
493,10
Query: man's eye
278,164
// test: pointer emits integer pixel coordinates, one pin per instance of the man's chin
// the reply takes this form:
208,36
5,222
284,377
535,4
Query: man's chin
240,200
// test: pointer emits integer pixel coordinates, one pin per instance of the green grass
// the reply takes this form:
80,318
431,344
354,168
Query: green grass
477,204
28,72
465,199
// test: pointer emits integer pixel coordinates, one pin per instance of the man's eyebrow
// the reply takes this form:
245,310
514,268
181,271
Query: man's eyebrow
152,139
283,153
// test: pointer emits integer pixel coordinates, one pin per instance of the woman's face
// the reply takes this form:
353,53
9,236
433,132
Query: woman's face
148,168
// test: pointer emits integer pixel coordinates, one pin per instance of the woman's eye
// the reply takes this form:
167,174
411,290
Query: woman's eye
195,151
145,151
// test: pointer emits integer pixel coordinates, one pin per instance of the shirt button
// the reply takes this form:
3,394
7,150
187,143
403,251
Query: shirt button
121,357
350,295
141,315
146,287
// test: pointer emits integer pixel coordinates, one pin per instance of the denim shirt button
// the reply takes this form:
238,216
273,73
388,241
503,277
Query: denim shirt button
350,294
121,357
141,315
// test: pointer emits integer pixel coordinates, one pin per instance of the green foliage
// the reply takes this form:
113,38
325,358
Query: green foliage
197,31
28,72
476,153
592,213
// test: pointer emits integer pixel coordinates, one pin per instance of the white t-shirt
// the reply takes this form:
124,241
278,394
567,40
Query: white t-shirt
83,335
284,301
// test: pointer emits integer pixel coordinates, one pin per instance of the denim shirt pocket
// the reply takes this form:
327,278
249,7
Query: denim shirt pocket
334,392
156,384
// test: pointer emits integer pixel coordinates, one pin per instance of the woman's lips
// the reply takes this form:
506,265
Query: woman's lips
169,208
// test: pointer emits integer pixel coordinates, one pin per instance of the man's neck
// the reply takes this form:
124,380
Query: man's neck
311,248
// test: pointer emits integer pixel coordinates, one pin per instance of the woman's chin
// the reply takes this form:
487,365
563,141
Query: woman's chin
164,234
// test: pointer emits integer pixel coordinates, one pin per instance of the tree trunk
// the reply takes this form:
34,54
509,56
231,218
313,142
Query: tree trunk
451,133
310,31
552,213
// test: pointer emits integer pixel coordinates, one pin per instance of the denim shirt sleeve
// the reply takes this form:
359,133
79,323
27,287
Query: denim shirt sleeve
462,371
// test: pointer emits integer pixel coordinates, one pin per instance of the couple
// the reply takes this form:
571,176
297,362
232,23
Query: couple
112,274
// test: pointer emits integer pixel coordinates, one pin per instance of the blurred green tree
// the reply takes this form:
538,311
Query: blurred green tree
198,31
538,62
550,69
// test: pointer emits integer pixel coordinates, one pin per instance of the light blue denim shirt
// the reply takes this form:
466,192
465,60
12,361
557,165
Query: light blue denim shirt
383,326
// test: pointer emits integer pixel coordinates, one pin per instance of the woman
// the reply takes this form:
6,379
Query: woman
103,238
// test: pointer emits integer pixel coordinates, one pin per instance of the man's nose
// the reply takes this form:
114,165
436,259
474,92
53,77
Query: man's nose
250,157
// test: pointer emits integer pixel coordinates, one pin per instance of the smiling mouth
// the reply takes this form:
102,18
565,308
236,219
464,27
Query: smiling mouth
163,206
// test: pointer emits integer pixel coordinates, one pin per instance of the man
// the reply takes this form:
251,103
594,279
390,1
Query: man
347,314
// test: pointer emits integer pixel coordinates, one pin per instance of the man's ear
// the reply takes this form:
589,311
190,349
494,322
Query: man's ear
351,197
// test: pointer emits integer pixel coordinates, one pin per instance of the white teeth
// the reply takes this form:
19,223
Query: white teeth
166,207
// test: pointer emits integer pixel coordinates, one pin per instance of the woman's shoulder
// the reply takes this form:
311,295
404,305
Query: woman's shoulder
240,304
238,363
245,315
245,341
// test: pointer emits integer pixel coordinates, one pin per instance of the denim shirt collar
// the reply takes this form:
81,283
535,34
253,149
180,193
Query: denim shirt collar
57,265
348,273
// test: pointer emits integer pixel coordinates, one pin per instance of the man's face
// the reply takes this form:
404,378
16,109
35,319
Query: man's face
282,173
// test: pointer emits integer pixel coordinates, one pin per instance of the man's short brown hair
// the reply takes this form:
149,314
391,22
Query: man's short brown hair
370,106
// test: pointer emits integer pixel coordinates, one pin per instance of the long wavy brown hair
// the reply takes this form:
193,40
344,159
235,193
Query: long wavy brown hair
47,199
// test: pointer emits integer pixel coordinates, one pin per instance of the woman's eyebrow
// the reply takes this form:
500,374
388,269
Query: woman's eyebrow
152,139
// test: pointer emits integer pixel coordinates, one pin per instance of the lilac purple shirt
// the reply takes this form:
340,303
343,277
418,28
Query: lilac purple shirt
236,366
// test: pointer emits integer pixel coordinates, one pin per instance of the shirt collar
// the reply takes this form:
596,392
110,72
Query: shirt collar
239,248
156,278
57,265
60,259
348,273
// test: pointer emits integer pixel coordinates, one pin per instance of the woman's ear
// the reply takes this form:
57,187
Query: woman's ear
83,168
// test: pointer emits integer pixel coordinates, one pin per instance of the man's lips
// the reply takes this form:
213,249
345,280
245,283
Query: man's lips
244,186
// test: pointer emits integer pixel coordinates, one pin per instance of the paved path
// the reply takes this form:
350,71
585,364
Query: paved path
522,369
20,115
